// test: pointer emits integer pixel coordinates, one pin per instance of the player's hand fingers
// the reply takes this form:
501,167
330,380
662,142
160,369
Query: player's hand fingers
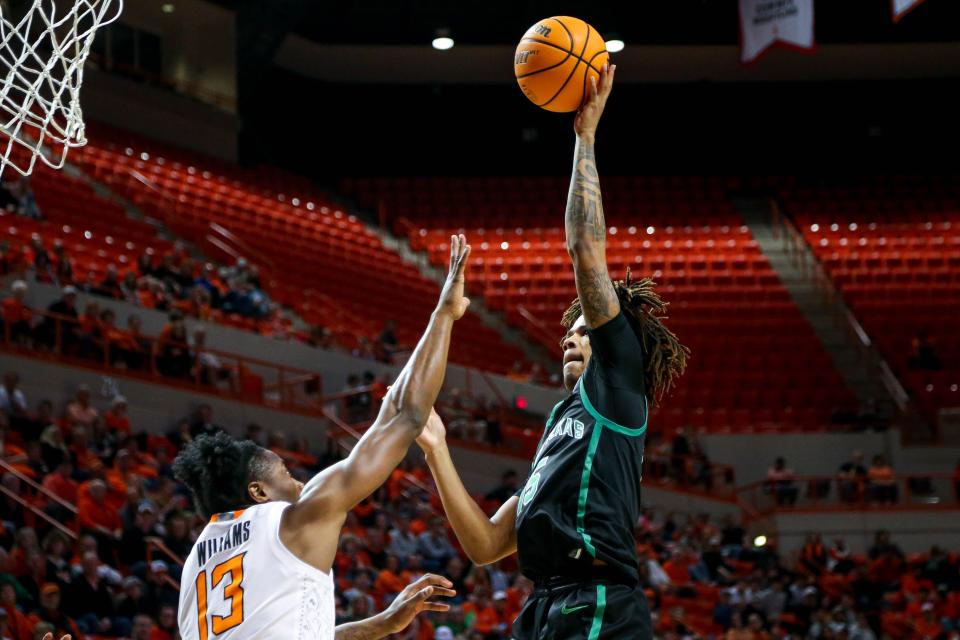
593,89
431,579
435,606
462,264
608,81
454,250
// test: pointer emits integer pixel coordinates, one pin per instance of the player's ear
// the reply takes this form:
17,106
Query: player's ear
257,491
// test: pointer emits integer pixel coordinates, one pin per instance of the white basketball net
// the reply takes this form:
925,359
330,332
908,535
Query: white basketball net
41,71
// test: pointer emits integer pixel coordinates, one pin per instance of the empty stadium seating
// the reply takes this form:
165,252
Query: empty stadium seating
755,363
318,260
892,246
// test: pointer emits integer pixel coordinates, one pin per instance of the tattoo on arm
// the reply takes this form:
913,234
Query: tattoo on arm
597,296
584,204
587,237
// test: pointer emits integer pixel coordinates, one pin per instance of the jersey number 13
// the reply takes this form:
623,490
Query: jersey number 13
232,593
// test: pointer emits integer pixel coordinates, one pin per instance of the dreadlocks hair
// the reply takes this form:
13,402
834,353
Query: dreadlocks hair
664,357
217,469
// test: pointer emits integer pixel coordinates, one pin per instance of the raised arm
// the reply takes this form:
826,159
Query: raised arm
483,539
585,225
337,489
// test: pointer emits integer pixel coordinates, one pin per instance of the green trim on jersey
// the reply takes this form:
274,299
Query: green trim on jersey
598,614
613,426
585,487
599,424
553,415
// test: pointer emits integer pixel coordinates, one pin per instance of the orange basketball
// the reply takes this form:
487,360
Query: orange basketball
555,59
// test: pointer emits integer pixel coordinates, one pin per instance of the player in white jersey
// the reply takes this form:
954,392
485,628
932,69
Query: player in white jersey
262,567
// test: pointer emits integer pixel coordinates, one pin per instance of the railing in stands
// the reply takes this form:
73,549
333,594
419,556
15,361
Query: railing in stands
210,371
33,509
801,254
537,328
921,492
156,546
38,488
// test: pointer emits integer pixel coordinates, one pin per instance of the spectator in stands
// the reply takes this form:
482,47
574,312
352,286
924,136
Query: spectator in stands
210,370
133,543
173,357
881,481
61,484
116,419
923,354
143,628
80,413
13,403
25,201
19,625
202,421
518,373
133,601
161,589
90,602
363,350
56,550
128,288
65,323
780,482
813,555
509,484
132,347
53,448
388,342
91,332
403,542
320,337
63,264
42,262
851,478
49,611
177,537
434,546
110,286
17,315
97,517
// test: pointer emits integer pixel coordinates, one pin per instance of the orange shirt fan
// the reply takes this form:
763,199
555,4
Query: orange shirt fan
42,53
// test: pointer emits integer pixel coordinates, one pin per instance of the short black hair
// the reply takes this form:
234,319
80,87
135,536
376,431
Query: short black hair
217,469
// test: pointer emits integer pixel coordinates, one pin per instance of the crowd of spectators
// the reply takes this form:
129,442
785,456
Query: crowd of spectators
95,334
854,483
703,578
172,281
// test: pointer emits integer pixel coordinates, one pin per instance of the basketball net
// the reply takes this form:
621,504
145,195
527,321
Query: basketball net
41,71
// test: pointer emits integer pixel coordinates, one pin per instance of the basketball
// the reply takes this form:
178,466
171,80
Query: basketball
554,62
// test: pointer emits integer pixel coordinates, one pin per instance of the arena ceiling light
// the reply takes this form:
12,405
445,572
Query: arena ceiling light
168,7
442,40
614,45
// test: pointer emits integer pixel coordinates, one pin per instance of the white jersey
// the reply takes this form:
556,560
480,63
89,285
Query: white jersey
240,582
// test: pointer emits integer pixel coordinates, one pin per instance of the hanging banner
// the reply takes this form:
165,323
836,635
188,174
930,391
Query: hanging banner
764,23
903,7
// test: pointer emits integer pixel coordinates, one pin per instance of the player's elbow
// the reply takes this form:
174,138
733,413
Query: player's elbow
410,411
481,556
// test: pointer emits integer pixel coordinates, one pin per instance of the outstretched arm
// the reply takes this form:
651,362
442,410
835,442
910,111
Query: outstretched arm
328,496
585,225
401,612
483,539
